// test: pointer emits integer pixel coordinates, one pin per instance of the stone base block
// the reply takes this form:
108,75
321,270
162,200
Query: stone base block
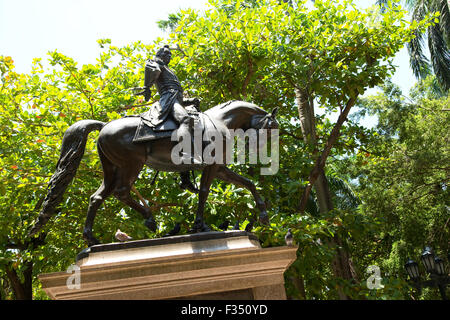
212,265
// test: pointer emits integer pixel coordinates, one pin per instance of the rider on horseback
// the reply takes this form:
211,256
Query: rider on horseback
171,99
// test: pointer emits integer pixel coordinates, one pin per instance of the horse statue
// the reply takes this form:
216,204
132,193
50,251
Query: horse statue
122,160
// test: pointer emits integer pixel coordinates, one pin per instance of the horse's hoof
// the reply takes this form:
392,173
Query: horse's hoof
200,228
151,224
195,229
92,241
174,231
205,228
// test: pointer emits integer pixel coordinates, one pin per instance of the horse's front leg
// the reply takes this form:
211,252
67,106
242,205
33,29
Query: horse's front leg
208,175
227,175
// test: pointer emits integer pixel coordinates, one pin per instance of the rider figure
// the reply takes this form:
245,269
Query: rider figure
171,99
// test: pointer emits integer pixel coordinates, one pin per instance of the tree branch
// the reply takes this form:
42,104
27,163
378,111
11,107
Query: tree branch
320,162
249,75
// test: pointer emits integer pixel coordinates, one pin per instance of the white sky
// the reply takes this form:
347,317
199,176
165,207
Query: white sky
31,28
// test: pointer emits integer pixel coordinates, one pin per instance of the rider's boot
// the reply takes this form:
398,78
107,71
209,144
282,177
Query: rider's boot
186,131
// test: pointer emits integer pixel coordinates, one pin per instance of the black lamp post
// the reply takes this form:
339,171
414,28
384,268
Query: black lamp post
413,270
434,266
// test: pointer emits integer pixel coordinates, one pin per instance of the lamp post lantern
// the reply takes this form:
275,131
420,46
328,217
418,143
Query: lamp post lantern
440,267
427,258
413,269
434,266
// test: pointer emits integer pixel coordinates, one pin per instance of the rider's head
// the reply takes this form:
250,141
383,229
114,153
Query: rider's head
164,54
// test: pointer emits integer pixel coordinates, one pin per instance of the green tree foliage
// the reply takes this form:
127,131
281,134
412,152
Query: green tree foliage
404,182
259,52
335,50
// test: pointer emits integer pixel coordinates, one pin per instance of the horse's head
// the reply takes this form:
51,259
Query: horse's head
267,121
264,126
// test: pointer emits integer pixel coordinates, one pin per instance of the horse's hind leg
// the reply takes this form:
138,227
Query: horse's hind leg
126,178
96,200
227,175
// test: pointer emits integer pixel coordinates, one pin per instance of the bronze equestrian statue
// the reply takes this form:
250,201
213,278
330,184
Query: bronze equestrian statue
122,159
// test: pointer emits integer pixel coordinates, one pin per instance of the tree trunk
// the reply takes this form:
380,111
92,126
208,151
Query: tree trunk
2,289
308,125
299,284
22,290
341,262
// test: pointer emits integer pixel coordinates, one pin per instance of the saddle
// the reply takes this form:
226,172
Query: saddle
147,131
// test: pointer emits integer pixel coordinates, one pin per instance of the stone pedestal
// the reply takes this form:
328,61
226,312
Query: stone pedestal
211,265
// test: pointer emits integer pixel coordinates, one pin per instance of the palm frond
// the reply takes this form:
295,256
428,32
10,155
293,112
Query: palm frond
440,55
436,89
444,20
312,206
411,5
419,63
346,197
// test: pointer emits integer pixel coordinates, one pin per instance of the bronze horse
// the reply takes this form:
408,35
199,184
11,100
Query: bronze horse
122,160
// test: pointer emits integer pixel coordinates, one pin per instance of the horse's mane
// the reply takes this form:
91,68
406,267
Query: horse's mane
233,105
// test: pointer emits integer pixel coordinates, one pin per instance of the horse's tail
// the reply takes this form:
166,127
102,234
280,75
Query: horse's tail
72,150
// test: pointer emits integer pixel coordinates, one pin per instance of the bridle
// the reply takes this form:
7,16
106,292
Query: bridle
265,122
